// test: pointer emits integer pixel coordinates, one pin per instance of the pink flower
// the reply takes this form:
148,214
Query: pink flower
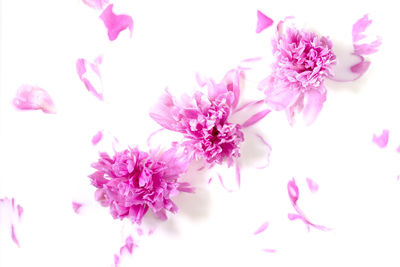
204,120
133,181
303,62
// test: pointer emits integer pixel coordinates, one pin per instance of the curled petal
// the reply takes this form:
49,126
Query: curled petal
96,4
33,98
116,23
313,102
84,73
263,22
381,140
358,34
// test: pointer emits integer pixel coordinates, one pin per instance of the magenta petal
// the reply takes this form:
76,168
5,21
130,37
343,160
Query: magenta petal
293,191
263,22
115,23
96,4
262,228
314,101
312,185
381,140
97,138
76,207
20,210
13,236
360,68
256,118
33,98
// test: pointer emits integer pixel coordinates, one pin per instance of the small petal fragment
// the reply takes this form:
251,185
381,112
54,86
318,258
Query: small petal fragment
358,34
13,236
312,185
263,22
128,246
262,228
84,68
116,23
96,4
76,206
381,140
33,98
97,138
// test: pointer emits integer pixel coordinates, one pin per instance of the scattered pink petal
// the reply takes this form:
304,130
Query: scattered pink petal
97,137
268,150
237,170
269,250
358,34
262,228
210,180
381,140
96,4
13,236
222,183
398,149
256,118
263,22
312,185
33,98
82,70
20,211
128,246
140,231
76,207
293,192
116,23
116,260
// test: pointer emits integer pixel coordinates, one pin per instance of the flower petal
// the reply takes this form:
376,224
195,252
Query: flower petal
293,191
13,236
263,22
358,34
96,4
381,140
86,74
116,23
262,228
76,206
256,118
313,102
97,137
312,185
33,98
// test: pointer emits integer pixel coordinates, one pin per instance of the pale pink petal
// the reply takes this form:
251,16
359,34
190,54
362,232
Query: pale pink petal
262,228
263,22
256,118
268,150
128,246
248,105
358,34
97,137
96,4
76,206
313,102
398,149
360,68
116,23
293,191
82,70
13,236
33,98
279,98
140,231
151,136
151,231
381,140
223,185
116,260
20,210
312,185
269,250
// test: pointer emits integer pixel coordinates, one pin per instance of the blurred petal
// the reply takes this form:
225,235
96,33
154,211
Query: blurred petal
312,185
96,4
89,76
293,191
313,102
33,98
116,23
97,137
358,34
256,118
13,236
76,206
262,228
263,22
381,140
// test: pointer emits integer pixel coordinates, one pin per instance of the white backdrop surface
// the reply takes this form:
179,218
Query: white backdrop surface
45,159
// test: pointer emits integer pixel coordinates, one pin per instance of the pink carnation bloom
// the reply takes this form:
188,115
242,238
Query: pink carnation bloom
303,62
133,181
203,120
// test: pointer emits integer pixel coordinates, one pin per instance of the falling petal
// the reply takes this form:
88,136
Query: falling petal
83,73
116,23
262,228
151,136
128,246
358,34
398,149
96,4
20,210
268,150
293,191
97,137
222,183
140,231
269,250
116,260
263,22
381,140
312,185
256,118
33,98
76,207
13,236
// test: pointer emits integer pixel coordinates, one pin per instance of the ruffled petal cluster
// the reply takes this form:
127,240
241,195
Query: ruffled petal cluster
133,181
203,120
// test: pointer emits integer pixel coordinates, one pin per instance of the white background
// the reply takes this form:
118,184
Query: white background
45,159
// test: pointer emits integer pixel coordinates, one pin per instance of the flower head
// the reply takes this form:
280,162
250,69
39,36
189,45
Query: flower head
303,62
203,120
133,181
